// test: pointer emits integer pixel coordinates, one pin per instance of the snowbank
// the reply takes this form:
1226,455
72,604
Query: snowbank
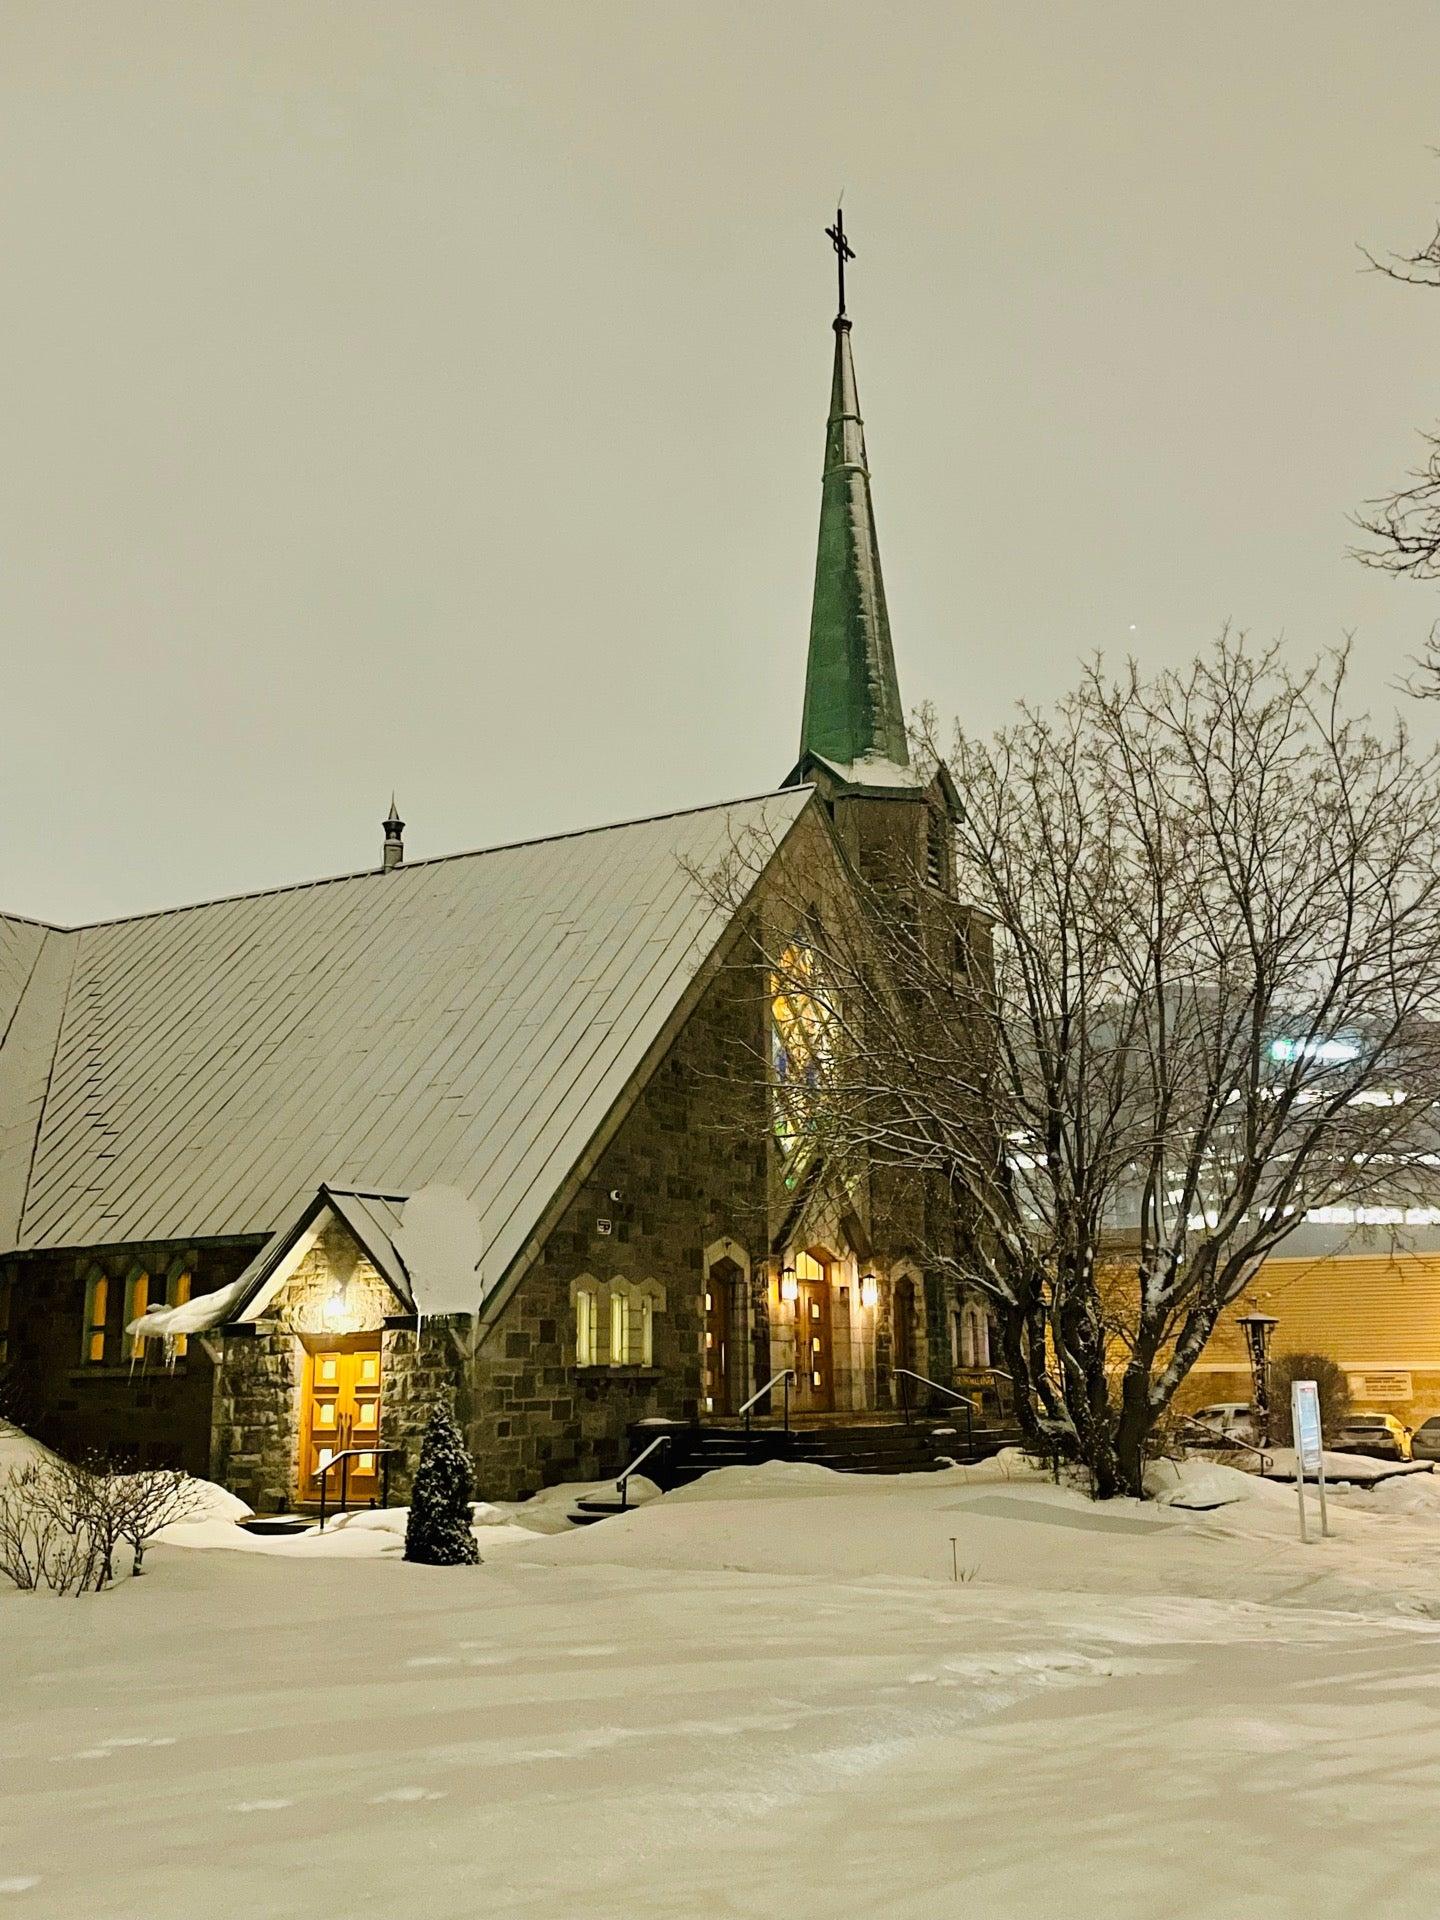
1197,1485
208,1501
967,1677
18,1451
213,1502
1359,1469
379,1532
1417,1493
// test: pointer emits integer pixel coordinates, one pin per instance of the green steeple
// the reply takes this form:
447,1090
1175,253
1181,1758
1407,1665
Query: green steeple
852,697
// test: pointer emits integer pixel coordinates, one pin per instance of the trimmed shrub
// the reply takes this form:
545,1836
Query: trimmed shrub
438,1531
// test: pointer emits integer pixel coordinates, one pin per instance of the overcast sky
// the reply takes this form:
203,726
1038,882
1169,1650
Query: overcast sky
432,396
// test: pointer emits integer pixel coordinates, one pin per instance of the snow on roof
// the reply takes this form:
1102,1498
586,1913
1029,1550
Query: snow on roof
870,770
464,1022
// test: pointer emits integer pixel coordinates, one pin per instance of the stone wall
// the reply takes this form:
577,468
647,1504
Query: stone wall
258,1401
257,1411
153,1408
689,1167
422,1367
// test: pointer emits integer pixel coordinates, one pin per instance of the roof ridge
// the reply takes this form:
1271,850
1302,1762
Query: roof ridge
30,920
379,873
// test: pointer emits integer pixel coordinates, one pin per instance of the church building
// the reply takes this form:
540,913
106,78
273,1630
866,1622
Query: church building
279,1172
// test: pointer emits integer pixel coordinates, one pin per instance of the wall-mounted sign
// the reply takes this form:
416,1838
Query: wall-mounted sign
1380,1386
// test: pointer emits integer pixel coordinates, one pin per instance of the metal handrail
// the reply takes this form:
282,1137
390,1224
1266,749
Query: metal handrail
1219,1441
622,1485
939,1386
787,1374
386,1454
909,1373
997,1373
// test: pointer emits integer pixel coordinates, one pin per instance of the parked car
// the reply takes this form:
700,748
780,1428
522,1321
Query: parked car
1380,1435
1425,1441
1231,1420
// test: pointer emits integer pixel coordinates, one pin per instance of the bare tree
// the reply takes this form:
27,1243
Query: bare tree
1403,526
1184,997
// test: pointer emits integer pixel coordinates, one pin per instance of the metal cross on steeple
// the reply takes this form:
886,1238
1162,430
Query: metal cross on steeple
843,252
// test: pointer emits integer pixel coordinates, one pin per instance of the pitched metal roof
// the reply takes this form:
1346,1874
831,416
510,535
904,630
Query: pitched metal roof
20,943
467,1021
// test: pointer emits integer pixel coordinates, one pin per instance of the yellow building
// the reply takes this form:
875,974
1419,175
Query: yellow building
1375,1312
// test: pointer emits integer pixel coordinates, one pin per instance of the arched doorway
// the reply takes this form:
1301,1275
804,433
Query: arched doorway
724,1295
814,1352
902,1298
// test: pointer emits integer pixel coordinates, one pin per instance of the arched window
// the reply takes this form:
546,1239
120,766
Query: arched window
619,1330
902,1313
179,1294
137,1300
974,1328
97,1315
585,1315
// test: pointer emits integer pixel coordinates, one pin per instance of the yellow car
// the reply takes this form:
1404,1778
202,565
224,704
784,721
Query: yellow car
1380,1435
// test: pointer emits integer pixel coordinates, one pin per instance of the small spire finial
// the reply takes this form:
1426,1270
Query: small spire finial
394,853
843,252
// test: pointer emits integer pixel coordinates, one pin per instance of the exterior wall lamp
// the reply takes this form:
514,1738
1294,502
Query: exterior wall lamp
869,1290
789,1285
336,1311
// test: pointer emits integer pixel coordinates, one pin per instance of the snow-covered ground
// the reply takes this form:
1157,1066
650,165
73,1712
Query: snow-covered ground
767,1695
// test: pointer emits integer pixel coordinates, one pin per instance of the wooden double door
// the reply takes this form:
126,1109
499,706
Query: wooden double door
814,1349
340,1412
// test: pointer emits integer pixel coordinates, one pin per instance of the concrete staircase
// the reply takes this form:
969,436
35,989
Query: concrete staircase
845,1444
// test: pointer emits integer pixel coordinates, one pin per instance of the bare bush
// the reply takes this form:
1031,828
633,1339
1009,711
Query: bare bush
150,1501
43,1540
62,1522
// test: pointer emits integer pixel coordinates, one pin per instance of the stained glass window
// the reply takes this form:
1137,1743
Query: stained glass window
799,1051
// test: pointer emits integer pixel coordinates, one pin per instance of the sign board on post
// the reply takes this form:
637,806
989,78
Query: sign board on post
1309,1446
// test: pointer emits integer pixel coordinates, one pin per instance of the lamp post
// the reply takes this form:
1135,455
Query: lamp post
1257,1328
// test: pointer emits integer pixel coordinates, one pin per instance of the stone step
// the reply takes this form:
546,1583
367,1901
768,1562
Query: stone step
591,1507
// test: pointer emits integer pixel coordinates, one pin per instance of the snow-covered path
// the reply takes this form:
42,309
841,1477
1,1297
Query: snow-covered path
771,1699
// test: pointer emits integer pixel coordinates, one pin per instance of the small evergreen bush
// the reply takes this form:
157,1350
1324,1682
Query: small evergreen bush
1328,1377
438,1532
